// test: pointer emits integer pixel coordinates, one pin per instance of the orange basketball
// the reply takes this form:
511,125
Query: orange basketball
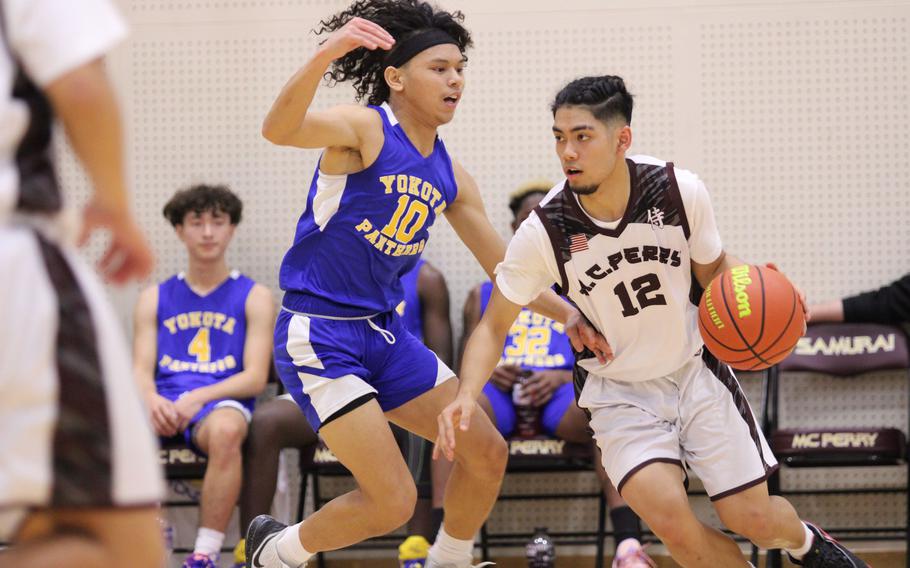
750,317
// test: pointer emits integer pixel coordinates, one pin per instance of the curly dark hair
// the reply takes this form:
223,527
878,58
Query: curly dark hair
201,198
606,96
401,18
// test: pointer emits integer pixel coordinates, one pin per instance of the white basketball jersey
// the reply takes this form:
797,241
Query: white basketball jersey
633,281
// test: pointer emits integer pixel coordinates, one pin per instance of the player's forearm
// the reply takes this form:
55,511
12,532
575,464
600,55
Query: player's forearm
245,384
85,102
290,108
481,356
145,382
552,306
828,311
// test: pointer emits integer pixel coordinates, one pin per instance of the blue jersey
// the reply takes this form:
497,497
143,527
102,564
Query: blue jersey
200,338
535,342
410,309
360,233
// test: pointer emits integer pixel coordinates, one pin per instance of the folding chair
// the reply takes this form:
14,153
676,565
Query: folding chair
848,351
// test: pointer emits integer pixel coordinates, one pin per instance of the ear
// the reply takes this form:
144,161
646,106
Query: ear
394,78
624,139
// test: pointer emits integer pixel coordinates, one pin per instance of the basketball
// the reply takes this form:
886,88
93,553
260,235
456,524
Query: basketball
750,317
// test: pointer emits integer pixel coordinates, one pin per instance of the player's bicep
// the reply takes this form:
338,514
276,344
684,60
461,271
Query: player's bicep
343,126
705,244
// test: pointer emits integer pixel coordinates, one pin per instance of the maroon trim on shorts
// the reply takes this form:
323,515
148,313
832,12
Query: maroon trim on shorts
745,486
636,469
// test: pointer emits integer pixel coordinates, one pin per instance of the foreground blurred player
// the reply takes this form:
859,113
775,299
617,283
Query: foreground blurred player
202,350
622,238
79,478
383,178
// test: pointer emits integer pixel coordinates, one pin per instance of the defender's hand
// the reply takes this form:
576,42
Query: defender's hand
458,412
357,33
582,334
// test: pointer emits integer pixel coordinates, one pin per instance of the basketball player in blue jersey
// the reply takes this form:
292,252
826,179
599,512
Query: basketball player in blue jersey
202,348
629,240
279,423
383,178
538,352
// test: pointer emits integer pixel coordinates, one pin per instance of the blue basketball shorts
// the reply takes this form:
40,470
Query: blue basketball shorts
331,366
243,406
551,413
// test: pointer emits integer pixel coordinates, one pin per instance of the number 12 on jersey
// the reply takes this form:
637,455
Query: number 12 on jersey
643,286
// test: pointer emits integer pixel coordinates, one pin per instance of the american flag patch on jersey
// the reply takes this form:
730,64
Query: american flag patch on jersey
578,242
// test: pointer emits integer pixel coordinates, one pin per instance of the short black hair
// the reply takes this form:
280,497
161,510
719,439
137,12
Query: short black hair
401,18
606,96
541,187
201,198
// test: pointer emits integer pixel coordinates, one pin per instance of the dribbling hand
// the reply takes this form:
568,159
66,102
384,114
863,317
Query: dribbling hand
458,412
357,33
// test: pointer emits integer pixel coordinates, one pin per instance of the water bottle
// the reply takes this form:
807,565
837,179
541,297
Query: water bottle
527,416
167,533
540,551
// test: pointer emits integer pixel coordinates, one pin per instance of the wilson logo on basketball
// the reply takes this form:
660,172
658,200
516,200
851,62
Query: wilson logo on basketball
741,281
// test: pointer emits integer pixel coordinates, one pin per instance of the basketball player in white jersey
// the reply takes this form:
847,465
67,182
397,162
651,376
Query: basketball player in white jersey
622,238
79,478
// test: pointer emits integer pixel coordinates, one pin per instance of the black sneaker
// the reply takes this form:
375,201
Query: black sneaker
261,548
827,553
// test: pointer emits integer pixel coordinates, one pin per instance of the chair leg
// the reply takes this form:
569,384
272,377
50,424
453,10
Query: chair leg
484,544
601,530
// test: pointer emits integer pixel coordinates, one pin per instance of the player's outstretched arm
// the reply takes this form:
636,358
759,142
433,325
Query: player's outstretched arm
481,355
290,122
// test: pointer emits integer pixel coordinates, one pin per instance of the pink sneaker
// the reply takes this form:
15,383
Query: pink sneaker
631,554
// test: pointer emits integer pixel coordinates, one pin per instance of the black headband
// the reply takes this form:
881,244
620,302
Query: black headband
414,44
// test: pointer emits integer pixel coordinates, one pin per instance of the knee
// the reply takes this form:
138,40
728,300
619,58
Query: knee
488,458
751,521
674,530
226,438
394,507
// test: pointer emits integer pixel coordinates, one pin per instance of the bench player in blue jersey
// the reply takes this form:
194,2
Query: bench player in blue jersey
202,353
383,178
279,423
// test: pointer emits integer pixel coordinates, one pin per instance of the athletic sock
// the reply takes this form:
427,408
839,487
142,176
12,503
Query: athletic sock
208,542
290,549
436,515
625,524
450,550
798,553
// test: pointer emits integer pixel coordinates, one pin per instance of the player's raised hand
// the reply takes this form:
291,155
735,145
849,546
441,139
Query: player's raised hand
582,334
458,412
357,33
